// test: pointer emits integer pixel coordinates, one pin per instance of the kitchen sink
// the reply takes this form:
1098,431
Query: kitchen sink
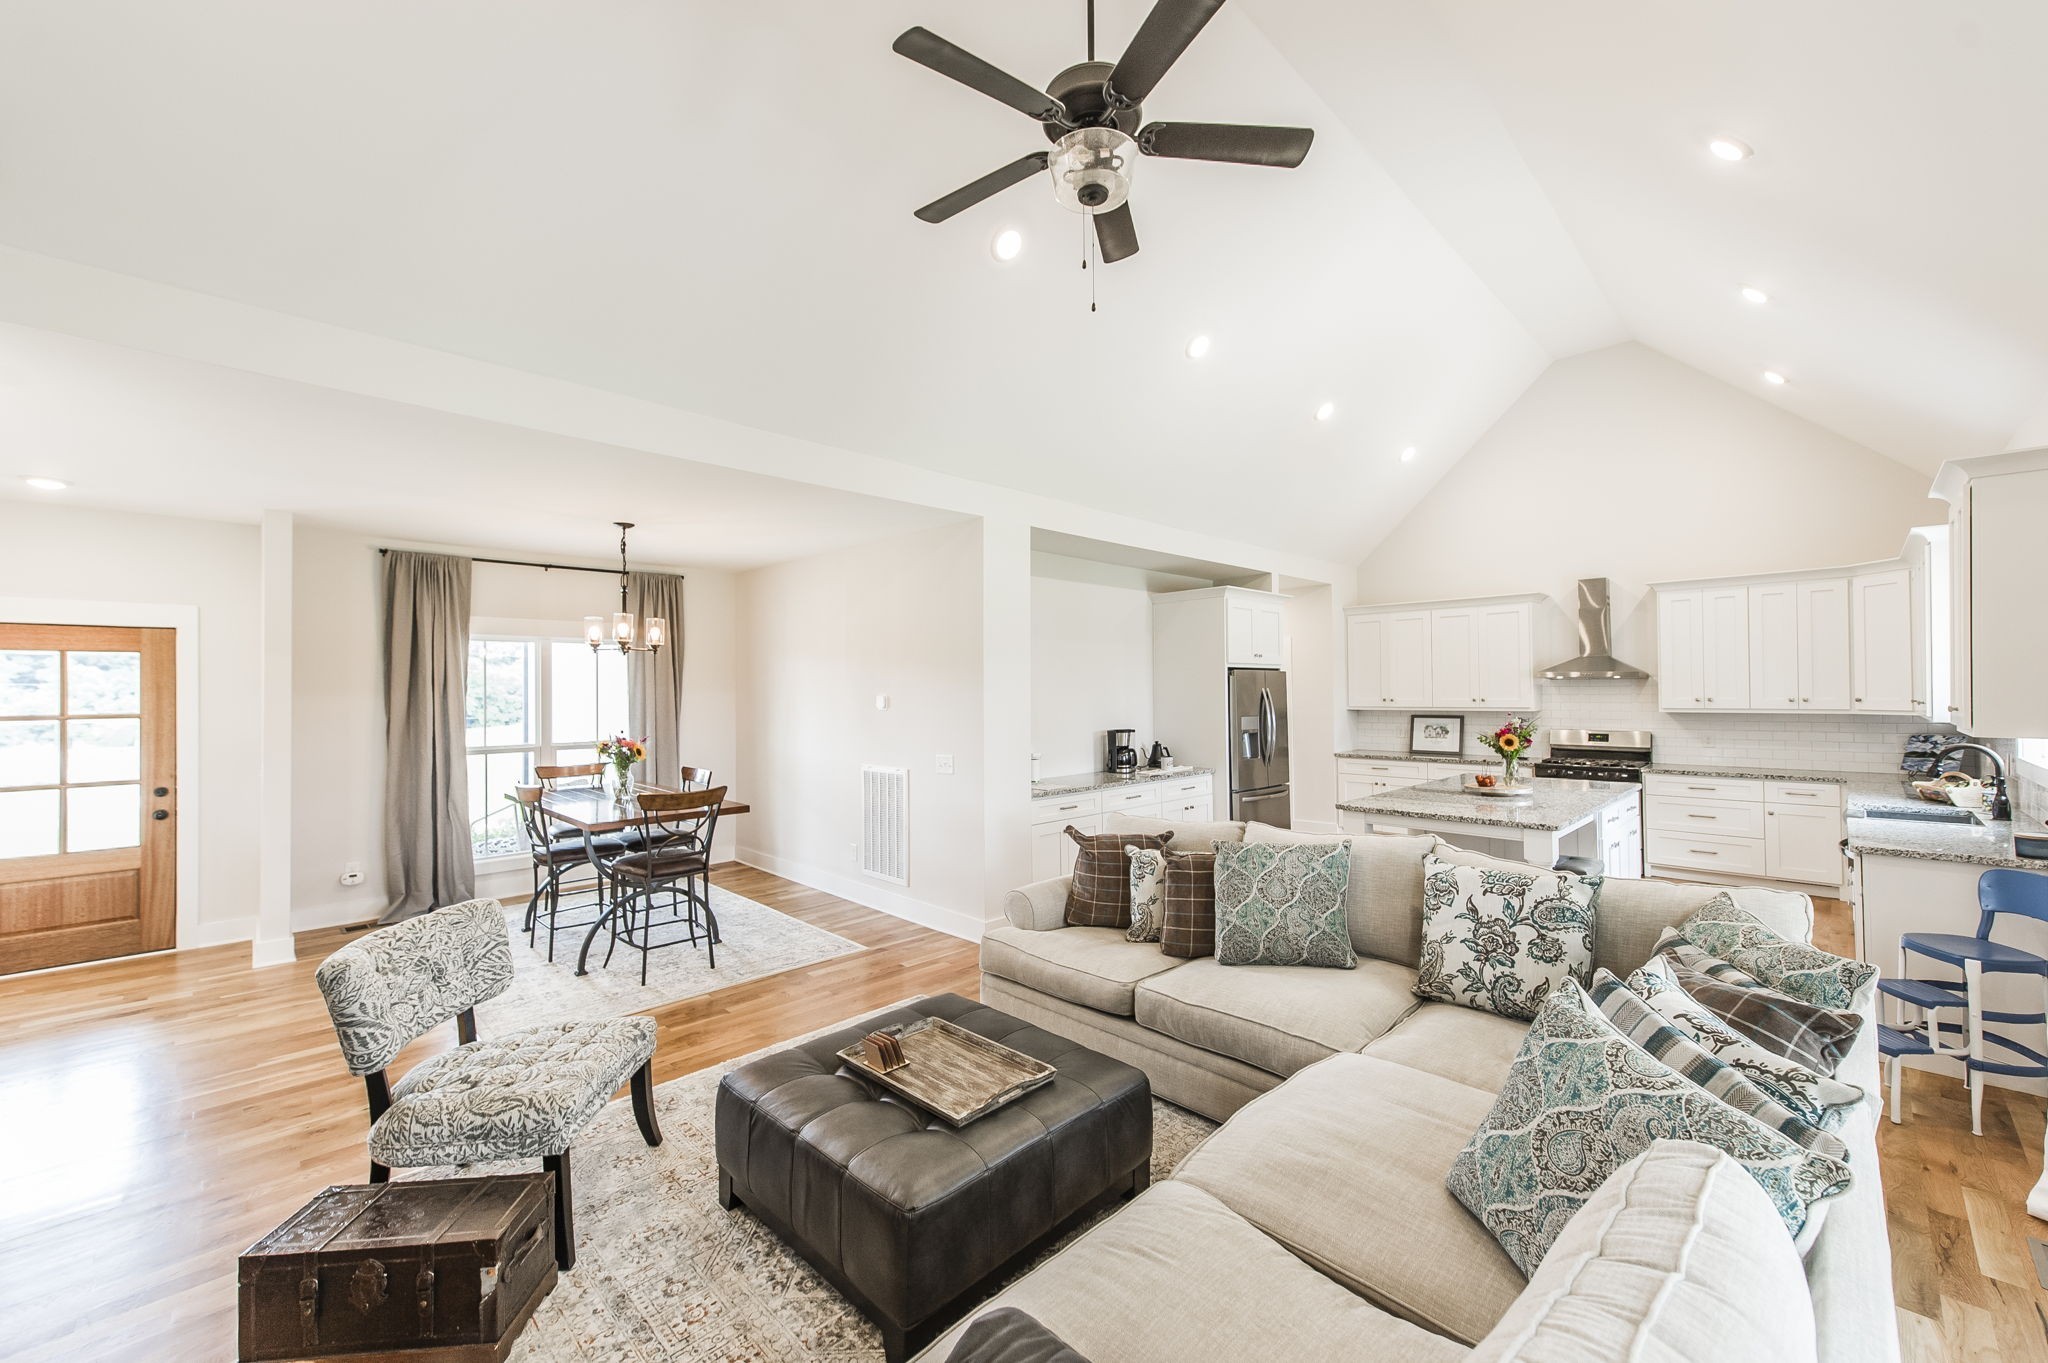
1926,814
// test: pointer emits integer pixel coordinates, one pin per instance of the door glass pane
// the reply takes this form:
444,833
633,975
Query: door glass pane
28,823
98,817
574,680
28,682
28,752
611,694
103,750
103,683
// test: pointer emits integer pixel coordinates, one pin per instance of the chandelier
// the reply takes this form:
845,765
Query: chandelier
624,627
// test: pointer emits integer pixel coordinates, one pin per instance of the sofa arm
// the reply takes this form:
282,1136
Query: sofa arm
1038,908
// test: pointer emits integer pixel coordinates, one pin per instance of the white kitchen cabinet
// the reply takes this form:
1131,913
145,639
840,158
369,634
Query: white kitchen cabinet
1052,851
1506,665
1404,669
1803,845
1681,680
1458,656
1799,644
1706,827
1703,648
1774,646
1453,658
1258,627
1885,657
1365,650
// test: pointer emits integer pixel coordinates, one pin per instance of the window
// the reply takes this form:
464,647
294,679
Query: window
532,702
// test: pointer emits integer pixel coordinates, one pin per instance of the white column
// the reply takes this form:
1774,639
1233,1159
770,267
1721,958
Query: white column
1006,710
273,944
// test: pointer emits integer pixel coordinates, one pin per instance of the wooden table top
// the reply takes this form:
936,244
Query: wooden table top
592,809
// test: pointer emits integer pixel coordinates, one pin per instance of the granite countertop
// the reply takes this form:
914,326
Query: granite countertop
1086,781
1829,778
1450,759
1552,805
1982,844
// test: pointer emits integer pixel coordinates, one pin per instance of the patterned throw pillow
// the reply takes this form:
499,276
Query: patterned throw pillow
1282,904
1500,940
1805,972
1148,893
1643,1025
1188,919
1099,895
1823,1101
1580,1101
1818,1038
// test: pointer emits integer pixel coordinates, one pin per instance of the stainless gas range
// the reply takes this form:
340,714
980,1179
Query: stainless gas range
1597,754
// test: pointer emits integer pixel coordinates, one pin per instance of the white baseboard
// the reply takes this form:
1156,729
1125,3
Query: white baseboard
269,951
220,932
868,895
338,915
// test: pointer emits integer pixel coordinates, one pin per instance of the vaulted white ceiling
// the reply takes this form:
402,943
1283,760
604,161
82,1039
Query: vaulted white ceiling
708,205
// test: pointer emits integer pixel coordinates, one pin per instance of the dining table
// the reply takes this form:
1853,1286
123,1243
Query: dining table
595,811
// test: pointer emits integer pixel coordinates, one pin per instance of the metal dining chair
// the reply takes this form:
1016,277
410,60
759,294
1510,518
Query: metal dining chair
554,857
674,858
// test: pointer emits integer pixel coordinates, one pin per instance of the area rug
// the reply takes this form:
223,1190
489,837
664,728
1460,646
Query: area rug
664,1275
755,941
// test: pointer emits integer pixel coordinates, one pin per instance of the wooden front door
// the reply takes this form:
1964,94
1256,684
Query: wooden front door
88,793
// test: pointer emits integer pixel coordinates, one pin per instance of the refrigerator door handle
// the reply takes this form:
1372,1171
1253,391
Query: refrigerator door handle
1269,722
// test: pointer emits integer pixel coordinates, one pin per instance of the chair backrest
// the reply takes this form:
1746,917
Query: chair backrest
397,983
664,813
552,777
526,803
696,778
2005,890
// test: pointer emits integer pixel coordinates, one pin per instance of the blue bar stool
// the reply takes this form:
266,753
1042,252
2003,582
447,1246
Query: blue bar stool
2022,894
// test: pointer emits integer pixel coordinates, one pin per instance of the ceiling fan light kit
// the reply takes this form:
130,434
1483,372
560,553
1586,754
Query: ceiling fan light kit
1091,114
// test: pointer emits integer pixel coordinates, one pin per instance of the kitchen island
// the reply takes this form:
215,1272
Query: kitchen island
1556,818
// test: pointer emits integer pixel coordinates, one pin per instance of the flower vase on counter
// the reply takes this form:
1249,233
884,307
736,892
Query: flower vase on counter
623,754
1510,742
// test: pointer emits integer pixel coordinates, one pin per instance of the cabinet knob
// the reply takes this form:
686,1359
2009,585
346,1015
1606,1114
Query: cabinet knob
1859,700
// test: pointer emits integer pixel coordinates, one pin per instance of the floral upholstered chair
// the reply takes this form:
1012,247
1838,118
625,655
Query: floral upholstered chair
524,1095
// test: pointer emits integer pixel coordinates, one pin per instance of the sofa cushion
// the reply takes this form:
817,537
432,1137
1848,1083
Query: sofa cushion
1791,967
1007,1335
1344,1164
1094,967
1283,905
1177,1276
1502,940
1099,891
1187,837
1383,902
1676,1258
1187,915
1273,1016
1464,1044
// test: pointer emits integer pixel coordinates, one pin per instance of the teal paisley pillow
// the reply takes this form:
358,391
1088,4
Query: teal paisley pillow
1580,1101
1805,972
1283,904
1500,940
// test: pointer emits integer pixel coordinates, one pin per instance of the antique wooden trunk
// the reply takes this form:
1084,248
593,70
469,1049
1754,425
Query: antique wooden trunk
433,1271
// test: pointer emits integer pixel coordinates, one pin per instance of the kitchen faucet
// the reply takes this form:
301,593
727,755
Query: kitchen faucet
2000,806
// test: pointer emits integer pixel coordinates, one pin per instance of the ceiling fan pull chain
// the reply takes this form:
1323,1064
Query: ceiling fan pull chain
1088,226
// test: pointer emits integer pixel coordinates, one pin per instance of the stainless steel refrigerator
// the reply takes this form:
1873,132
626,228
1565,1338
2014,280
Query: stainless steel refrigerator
1258,746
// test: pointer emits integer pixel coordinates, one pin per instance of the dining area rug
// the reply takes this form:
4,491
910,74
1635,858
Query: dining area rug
754,941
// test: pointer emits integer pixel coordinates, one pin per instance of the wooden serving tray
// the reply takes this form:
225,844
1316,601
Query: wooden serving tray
954,1073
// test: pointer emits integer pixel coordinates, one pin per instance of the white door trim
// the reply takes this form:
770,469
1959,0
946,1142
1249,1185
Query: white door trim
38,610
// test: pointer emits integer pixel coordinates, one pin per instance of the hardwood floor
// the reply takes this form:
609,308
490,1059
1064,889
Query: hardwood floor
159,1114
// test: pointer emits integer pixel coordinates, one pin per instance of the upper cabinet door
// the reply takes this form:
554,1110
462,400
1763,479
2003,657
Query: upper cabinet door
1241,613
1269,632
1884,667
1824,669
1775,646
1681,676
1365,647
1453,660
1724,651
1506,666
1404,665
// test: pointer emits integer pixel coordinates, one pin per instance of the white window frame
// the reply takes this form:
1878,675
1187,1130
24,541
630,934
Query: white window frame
544,749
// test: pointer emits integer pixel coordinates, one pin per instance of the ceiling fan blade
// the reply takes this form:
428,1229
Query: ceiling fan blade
1164,35
927,48
1244,144
968,195
1115,234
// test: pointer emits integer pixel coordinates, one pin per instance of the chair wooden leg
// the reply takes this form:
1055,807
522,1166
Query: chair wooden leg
643,1103
565,1210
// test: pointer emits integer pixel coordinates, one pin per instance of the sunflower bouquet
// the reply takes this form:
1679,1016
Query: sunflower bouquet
623,752
1511,743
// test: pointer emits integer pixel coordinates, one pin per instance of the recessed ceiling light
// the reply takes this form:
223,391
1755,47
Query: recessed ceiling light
1326,411
1198,347
1007,245
1408,455
47,484
1752,294
1772,376
1731,149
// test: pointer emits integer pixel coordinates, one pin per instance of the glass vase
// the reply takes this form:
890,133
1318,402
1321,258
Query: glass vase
1511,770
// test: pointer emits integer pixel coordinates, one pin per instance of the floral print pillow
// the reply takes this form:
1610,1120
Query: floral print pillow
1148,893
1805,972
1501,941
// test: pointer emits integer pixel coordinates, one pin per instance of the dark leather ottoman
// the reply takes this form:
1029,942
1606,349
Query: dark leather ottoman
912,1219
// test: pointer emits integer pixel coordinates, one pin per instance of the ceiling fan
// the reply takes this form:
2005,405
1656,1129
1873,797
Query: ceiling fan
1092,116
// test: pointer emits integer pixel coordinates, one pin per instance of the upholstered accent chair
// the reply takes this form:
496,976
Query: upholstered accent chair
524,1095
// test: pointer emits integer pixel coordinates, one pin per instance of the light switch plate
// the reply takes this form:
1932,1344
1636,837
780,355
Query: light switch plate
945,764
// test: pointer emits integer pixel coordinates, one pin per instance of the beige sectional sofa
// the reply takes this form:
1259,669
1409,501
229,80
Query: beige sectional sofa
1315,1223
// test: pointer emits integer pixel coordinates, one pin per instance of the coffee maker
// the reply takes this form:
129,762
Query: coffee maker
1122,754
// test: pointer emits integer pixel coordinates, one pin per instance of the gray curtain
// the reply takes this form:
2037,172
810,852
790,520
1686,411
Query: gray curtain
427,859
654,681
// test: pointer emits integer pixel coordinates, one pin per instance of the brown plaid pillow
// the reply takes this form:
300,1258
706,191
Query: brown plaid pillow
1188,920
1099,895
1818,1038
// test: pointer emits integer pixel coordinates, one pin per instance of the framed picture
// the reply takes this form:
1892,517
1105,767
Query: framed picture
1436,734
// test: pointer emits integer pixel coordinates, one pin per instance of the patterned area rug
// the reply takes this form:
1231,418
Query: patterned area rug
754,941
663,1275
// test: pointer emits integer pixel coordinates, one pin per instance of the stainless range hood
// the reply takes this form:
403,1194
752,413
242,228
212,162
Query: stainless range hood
1596,659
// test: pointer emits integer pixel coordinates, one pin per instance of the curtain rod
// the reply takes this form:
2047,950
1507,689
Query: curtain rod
547,567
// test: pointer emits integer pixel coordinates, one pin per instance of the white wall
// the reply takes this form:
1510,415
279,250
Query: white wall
1314,705
51,551
819,639
1091,660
